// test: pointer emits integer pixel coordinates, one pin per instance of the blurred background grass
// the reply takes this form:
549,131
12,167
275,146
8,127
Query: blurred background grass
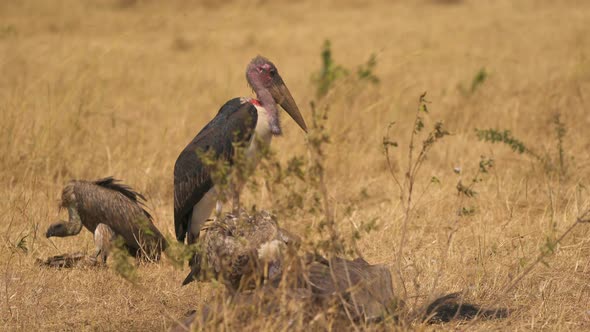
97,88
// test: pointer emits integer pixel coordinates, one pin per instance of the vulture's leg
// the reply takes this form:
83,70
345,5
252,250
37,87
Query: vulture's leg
103,239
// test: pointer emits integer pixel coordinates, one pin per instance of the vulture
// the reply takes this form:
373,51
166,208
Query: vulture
109,209
238,249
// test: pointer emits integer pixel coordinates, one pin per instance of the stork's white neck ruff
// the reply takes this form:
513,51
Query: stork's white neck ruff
262,133
263,130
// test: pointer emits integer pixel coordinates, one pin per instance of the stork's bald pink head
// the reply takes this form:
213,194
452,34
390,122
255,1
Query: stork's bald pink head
260,73
264,78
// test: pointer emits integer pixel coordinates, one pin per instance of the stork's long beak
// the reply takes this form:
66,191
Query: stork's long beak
282,96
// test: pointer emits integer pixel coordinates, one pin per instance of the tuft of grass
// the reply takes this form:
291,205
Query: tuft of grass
329,73
551,164
123,264
502,136
560,132
406,184
366,71
469,191
476,82
326,78
317,138
21,244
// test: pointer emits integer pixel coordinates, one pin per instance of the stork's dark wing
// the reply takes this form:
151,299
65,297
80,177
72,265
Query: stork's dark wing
235,122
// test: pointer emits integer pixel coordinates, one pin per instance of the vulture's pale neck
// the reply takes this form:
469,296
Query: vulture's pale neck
74,224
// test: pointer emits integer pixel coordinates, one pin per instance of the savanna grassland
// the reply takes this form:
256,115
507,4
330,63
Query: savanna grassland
95,88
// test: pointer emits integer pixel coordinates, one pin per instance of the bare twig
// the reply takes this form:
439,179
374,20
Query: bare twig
315,139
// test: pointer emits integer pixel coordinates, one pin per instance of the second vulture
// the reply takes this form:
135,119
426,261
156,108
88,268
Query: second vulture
109,209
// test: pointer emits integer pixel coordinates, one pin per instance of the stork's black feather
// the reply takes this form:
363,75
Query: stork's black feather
235,122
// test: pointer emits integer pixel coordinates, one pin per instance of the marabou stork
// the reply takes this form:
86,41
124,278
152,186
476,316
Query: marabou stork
109,209
251,122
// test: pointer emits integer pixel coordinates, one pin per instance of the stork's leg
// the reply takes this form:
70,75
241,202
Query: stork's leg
218,208
103,240
235,189
235,193
201,212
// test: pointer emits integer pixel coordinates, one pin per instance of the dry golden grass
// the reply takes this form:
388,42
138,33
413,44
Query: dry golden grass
96,88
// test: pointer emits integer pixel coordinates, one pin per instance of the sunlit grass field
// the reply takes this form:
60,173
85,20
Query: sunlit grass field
95,88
